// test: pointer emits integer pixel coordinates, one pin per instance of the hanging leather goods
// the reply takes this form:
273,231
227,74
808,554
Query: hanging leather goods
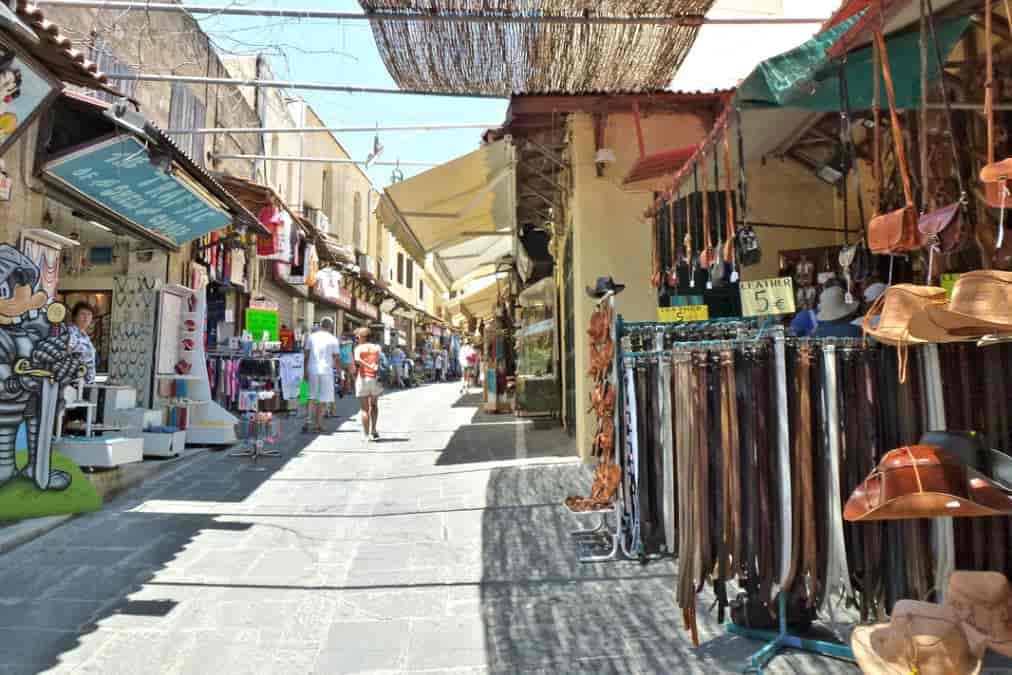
854,259
655,254
995,175
728,252
719,269
895,232
706,255
945,230
746,241
672,224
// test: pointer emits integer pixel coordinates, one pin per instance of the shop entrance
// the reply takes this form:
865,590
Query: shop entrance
101,302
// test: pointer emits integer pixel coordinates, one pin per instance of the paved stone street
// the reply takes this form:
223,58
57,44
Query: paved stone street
442,548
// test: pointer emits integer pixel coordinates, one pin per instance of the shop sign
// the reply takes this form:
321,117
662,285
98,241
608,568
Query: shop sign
260,321
765,297
344,298
683,313
118,174
25,90
366,309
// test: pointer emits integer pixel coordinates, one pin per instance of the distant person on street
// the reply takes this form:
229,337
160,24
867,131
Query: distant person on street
367,384
427,365
397,358
467,357
439,366
322,356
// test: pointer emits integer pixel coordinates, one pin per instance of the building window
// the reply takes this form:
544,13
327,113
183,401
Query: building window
400,268
410,281
103,56
186,111
421,290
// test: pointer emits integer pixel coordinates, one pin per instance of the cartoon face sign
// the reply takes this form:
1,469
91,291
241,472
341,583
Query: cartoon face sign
19,298
10,90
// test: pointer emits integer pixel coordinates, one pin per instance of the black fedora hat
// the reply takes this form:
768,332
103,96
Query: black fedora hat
604,286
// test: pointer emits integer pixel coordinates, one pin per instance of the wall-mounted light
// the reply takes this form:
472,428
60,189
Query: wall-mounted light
603,158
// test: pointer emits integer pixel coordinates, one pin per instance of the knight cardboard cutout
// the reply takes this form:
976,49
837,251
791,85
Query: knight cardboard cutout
35,365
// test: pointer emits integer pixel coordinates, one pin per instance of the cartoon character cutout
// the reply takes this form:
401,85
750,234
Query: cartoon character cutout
35,365
10,89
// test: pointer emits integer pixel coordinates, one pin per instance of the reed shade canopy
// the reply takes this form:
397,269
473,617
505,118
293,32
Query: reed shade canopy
504,58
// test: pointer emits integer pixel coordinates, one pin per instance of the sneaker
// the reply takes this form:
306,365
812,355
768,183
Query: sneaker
375,436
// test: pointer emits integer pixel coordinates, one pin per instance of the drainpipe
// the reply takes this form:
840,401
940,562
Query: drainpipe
260,106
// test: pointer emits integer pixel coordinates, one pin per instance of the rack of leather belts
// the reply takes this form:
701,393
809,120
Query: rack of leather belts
718,424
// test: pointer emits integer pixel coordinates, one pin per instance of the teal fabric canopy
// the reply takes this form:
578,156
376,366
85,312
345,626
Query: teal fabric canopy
806,78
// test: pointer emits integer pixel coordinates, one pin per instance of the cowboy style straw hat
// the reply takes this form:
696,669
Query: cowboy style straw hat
832,305
981,304
921,637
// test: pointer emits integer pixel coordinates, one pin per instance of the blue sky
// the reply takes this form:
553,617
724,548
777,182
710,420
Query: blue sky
345,53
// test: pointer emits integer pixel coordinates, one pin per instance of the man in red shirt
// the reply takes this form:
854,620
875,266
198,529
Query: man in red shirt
367,385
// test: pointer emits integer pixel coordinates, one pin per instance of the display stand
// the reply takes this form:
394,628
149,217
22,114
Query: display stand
602,537
208,422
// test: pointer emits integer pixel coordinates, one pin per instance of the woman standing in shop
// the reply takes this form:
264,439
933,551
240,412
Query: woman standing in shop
81,317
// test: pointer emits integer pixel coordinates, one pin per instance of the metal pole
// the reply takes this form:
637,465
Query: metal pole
334,130
282,84
232,10
318,160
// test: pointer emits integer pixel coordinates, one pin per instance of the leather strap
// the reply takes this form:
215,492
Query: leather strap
708,242
957,165
876,116
732,460
742,192
989,81
848,140
900,149
666,450
728,194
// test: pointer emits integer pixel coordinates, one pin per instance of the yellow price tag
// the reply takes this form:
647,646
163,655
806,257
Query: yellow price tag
765,297
948,281
683,313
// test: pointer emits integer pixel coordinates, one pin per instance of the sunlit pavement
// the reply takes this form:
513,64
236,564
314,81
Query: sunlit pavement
441,548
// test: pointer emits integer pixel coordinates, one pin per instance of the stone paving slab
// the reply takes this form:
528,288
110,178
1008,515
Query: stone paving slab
442,549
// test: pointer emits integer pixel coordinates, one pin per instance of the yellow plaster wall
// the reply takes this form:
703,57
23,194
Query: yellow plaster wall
610,236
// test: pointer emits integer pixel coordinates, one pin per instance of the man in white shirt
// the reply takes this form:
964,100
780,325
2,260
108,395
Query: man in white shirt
323,353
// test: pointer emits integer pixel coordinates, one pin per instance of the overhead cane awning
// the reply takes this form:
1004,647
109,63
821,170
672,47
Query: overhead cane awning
117,166
480,301
462,213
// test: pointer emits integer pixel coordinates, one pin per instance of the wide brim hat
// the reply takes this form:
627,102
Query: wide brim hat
983,600
981,304
896,308
604,286
833,305
920,637
924,481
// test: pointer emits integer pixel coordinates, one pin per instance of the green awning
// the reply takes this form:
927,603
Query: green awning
806,78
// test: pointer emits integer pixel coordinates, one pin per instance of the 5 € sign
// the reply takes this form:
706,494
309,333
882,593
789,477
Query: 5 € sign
765,297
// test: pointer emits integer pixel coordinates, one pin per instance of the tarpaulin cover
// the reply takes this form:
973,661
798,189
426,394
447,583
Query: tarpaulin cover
807,78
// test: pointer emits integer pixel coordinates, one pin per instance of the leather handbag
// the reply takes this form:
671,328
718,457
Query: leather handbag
895,232
946,230
924,481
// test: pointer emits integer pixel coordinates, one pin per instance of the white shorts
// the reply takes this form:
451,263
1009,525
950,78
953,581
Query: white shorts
321,388
367,386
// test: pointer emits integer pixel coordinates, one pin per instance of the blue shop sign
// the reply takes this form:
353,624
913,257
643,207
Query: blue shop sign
118,175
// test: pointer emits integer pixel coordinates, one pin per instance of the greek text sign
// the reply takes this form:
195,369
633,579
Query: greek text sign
765,297
119,175
683,313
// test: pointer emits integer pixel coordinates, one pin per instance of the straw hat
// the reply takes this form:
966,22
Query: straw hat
896,307
924,481
832,305
921,637
983,600
981,304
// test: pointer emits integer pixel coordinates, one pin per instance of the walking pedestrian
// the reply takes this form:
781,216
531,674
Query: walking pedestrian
439,366
398,360
467,359
322,354
367,385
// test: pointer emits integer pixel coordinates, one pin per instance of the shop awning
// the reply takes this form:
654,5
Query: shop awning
479,302
122,168
463,212
807,77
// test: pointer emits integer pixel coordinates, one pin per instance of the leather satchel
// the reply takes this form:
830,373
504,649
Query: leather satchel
944,228
896,232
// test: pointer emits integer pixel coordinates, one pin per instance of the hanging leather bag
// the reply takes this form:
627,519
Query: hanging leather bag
946,230
747,250
895,232
995,175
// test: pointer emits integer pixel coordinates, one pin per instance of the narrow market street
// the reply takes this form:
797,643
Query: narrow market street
442,548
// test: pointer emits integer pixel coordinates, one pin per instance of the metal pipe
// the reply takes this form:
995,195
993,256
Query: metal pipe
283,84
334,130
232,10
318,160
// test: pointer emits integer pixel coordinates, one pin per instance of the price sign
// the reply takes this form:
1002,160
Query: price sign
683,313
259,321
765,297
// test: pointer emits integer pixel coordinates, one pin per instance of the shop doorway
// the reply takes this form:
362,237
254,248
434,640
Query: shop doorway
101,329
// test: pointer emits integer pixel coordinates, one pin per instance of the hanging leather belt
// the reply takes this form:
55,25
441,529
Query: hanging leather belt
732,462
688,526
768,547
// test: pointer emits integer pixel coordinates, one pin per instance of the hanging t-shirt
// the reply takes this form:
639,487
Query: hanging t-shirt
292,373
